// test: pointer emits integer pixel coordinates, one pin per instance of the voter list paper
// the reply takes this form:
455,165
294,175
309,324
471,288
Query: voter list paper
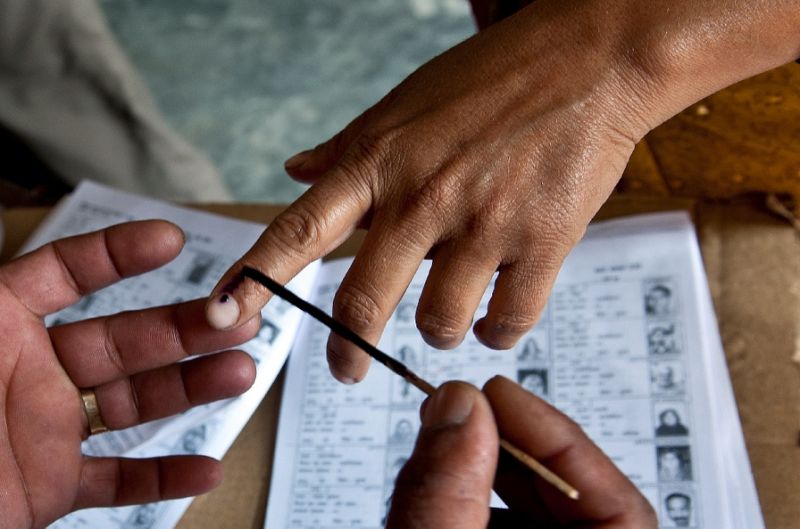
627,346
210,249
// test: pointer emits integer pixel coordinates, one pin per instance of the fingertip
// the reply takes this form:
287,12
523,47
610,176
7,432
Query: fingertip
169,237
140,246
441,341
222,311
294,165
303,168
348,364
447,481
242,374
494,336
450,405
496,381
211,477
176,236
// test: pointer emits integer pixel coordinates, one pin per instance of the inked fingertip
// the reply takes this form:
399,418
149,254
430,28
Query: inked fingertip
223,311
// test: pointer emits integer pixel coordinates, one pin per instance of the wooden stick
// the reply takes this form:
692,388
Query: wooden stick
400,369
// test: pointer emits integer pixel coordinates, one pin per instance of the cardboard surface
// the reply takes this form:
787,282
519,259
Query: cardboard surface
753,264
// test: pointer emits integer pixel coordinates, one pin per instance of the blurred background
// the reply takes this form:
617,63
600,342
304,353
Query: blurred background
251,82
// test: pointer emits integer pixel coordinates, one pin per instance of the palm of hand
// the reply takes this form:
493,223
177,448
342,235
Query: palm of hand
131,361
44,423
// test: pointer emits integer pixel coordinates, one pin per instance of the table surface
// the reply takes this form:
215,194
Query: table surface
753,263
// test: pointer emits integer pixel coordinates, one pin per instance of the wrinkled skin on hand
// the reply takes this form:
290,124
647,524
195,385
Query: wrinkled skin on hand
128,358
471,161
495,155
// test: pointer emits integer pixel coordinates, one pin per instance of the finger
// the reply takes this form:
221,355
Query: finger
559,443
173,389
58,274
101,350
384,266
316,223
111,482
456,283
447,481
309,165
519,296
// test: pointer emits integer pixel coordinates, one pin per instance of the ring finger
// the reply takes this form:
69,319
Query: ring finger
452,294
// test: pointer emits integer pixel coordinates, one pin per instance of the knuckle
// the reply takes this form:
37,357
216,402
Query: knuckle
298,229
372,150
369,156
539,256
548,237
567,213
571,430
438,192
443,327
133,387
111,348
514,323
376,146
357,307
486,225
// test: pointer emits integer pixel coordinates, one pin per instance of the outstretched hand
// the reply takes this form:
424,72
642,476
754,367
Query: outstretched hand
129,359
494,156
480,159
448,480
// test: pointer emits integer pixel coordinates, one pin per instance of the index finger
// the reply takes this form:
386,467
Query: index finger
321,219
59,273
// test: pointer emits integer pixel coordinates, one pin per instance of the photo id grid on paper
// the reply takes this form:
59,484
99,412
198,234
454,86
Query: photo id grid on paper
627,346
209,251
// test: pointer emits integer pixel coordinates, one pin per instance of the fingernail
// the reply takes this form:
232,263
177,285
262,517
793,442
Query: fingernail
423,407
450,405
337,359
223,312
342,377
297,161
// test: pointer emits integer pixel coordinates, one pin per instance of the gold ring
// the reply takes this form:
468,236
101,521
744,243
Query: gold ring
89,401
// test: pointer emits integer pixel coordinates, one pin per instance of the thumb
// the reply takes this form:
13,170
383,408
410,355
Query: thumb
447,481
309,165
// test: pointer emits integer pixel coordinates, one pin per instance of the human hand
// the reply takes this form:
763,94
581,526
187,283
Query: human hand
494,156
432,169
447,481
129,359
